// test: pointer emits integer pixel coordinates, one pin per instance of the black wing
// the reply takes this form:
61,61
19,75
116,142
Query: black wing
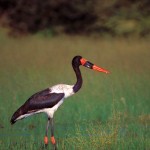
43,99
40,100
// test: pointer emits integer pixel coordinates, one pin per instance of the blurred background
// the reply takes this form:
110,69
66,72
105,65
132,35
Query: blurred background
112,17
38,40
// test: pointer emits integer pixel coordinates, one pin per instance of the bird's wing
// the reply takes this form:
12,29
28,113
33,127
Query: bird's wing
43,99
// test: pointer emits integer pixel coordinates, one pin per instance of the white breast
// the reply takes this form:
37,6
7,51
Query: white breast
63,88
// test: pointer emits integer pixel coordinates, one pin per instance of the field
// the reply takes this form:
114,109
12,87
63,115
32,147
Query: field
110,112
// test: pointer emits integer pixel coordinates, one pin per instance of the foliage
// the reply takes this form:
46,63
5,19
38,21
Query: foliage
32,16
113,17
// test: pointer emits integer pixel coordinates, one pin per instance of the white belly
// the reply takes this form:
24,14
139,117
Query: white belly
50,111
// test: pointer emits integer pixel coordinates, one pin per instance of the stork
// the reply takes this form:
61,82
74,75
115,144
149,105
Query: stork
50,99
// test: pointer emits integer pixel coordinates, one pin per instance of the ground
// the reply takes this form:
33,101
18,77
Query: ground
109,112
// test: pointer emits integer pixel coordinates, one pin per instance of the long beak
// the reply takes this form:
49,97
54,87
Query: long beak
100,69
89,65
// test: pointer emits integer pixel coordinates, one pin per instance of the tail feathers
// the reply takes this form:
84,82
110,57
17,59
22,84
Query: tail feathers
13,120
17,114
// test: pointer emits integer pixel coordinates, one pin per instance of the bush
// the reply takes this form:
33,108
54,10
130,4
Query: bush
114,17
34,15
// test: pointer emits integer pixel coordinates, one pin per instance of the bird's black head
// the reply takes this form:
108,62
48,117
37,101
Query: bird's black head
78,60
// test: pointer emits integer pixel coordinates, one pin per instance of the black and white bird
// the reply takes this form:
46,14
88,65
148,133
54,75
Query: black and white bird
50,99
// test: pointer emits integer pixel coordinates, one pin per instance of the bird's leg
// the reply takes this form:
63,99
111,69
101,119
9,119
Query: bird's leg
53,141
46,134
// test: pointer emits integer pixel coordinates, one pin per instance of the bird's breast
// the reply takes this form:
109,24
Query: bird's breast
63,88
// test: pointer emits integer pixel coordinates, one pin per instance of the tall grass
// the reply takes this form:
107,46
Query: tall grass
110,111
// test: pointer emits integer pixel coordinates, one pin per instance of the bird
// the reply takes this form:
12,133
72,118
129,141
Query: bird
50,99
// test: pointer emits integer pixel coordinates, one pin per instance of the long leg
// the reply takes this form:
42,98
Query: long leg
53,141
46,134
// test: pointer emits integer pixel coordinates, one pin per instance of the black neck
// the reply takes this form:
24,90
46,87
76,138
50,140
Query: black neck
78,84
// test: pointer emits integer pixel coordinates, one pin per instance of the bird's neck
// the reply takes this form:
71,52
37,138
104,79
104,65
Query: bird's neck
78,84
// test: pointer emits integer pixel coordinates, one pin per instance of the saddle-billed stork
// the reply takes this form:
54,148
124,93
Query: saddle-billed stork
50,99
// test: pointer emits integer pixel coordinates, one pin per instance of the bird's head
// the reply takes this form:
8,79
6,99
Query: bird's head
78,60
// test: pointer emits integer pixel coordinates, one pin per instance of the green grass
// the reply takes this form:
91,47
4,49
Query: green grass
110,112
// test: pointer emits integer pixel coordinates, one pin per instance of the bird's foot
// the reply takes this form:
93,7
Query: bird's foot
46,140
53,141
